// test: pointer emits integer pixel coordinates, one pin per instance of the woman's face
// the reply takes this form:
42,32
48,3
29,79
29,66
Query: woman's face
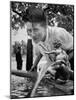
39,32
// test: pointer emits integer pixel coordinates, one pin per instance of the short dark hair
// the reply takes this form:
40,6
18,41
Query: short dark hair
36,15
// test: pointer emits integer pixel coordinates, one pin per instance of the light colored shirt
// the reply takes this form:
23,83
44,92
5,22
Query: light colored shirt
57,35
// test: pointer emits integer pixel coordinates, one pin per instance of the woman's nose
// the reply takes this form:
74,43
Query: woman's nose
33,34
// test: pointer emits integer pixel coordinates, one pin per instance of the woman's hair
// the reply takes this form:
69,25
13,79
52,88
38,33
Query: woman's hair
36,15
26,16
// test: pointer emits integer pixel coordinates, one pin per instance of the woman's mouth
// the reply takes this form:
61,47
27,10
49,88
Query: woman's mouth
35,39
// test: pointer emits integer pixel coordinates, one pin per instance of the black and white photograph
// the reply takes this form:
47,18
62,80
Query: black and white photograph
41,49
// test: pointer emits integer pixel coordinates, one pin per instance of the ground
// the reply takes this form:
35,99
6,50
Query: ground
21,87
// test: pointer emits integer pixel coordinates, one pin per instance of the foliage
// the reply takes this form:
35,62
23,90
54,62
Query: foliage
61,14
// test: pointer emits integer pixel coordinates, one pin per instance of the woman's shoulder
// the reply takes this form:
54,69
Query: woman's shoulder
55,28
57,31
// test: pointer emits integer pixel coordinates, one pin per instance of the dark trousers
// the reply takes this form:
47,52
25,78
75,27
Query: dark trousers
19,65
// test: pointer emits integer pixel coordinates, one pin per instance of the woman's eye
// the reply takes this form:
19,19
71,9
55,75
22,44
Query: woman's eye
29,30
